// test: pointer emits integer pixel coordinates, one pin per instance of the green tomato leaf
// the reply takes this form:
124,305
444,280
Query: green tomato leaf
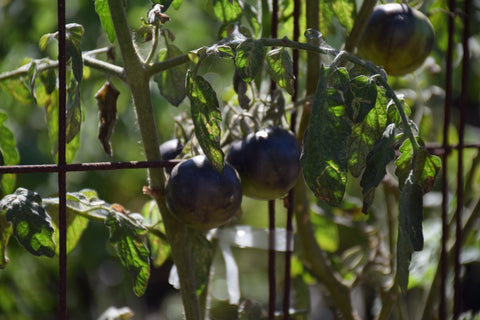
227,10
251,15
79,204
171,82
206,117
74,111
103,11
5,233
376,161
31,224
249,59
324,157
365,133
74,33
126,235
159,247
363,98
345,12
410,235
9,155
280,68
19,90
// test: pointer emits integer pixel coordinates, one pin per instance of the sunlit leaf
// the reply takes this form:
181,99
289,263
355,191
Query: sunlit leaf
5,233
9,154
324,157
18,89
251,15
344,11
159,247
249,59
103,11
206,117
171,82
78,205
227,10
365,133
31,224
280,68
326,232
126,235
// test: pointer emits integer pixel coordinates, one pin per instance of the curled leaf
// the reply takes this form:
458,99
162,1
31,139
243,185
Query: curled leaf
107,111
31,224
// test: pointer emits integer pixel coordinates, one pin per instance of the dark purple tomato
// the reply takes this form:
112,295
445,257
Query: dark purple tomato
397,38
268,162
170,150
202,197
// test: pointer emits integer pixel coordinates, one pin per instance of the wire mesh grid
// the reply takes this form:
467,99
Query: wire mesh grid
444,150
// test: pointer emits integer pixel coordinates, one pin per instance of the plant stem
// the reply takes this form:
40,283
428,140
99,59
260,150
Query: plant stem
177,233
315,258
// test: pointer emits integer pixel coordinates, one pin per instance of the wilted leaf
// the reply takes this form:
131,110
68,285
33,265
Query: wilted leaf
103,11
324,157
107,112
249,59
206,117
240,88
126,234
30,222
227,10
280,68
377,159
171,82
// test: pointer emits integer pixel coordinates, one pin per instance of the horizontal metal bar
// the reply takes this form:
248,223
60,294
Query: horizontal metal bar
92,166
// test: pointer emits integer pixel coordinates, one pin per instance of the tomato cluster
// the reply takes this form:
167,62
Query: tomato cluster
397,37
265,165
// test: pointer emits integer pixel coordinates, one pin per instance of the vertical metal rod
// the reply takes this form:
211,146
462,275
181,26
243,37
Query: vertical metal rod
290,197
62,61
272,286
461,133
442,311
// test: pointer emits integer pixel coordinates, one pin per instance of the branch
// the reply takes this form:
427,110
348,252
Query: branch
138,80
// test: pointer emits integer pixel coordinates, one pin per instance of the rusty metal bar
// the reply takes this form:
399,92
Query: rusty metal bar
457,306
91,166
445,148
62,179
